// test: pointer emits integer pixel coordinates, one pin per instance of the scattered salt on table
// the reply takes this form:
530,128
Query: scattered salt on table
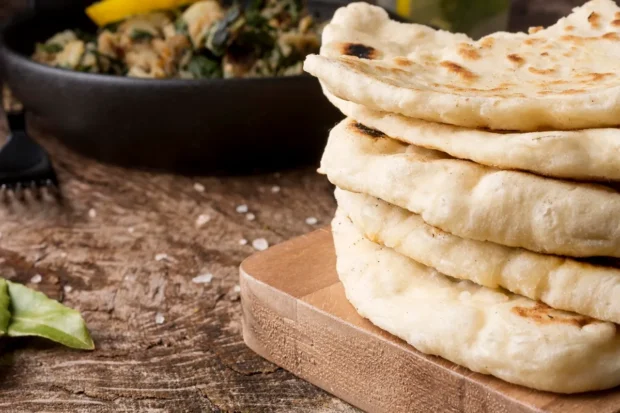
159,318
203,278
202,219
260,244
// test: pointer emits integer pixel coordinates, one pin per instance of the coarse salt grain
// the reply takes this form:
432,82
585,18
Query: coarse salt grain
260,244
131,230
36,279
242,209
275,189
202,219
243,241
92,213
161,257
199,187
203,278
311,221
237,288
250,216
67,289
159,318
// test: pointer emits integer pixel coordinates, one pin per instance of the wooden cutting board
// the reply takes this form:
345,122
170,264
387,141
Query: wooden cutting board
295,314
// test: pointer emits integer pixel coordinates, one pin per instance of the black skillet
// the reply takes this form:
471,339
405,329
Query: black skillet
188,126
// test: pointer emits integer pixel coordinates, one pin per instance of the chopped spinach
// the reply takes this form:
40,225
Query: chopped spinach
112,27
141,35
180,26
84,68
246,40
85,36
50,47
113,65
203,67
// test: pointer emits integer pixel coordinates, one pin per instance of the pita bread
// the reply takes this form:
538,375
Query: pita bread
363,30
488,331
472,201
589,154
585,154
562,283
562,77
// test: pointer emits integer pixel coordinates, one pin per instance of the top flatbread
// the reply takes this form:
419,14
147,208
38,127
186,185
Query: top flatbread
590,154
562,77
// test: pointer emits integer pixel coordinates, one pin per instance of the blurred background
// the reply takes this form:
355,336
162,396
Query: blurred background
523,13
258,124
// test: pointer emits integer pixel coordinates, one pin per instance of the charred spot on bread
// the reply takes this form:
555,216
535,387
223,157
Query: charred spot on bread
459,70
543,314
366,131
360,50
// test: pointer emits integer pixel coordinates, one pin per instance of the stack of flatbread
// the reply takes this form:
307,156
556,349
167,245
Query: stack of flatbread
477,215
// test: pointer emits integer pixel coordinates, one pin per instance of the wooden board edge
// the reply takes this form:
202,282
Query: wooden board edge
270,314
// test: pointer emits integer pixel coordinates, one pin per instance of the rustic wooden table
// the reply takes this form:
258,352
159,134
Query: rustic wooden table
124,248
164,342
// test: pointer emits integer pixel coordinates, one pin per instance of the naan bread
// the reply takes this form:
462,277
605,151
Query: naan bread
562,283
366,31
564,77
589,154
488,331
511,208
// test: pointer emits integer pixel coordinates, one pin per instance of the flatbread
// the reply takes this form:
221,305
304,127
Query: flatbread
488,331
472,201
588,155
562,283
366,31
564,77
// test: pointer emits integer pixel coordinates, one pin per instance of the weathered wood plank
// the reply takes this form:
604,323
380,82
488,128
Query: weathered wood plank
296,315
104,264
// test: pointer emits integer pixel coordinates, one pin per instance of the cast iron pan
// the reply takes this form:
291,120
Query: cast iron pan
187,126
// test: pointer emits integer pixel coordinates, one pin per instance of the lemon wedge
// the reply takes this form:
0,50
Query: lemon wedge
110,11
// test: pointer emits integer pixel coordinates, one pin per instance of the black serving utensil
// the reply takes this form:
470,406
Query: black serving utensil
23,162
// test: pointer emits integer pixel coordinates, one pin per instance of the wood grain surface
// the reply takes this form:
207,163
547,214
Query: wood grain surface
97,252
296,314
